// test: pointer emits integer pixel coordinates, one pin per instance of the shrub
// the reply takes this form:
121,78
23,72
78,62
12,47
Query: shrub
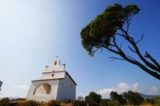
104,102
4,102
157,101
93,98
31,103
79,103
114,103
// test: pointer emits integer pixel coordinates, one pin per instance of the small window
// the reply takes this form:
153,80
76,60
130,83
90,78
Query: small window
55,63
52,75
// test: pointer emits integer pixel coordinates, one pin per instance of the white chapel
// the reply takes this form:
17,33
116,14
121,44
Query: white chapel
54,84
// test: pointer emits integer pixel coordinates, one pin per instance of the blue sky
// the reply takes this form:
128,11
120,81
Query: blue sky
33,33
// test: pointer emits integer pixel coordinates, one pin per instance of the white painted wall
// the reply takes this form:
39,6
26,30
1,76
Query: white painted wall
66,89
61,89
43,97
62,86
48,75
55,67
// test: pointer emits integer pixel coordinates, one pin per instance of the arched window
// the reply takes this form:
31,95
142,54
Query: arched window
42,89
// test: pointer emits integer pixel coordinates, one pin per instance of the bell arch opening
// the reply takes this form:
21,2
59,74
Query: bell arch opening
42,89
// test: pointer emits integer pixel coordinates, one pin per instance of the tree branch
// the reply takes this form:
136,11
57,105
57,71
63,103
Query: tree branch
128,23
141,38
129,59
137,51
116,58
147,55
131,49
144,68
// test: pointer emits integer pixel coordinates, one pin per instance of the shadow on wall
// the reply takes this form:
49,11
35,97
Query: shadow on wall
43,89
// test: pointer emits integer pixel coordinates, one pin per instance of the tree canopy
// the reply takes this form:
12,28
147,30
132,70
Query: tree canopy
133,98
117,98
93,98
106,28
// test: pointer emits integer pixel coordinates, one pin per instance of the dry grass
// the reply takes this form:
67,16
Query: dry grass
147,104
23,102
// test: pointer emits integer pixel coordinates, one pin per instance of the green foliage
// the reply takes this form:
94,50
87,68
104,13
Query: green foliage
127,98
80,98
113,103
157,101
133,98
79,103
93,98
118,99
114,95
111,25
98,33
5,102
104,102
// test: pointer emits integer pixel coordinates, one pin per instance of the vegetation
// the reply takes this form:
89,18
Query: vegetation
54,103
125,99
93,99
118,99
4,102
30,103
133,98
109,29
157,101
1,84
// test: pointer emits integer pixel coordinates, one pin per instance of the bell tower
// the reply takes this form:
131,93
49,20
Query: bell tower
54,84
